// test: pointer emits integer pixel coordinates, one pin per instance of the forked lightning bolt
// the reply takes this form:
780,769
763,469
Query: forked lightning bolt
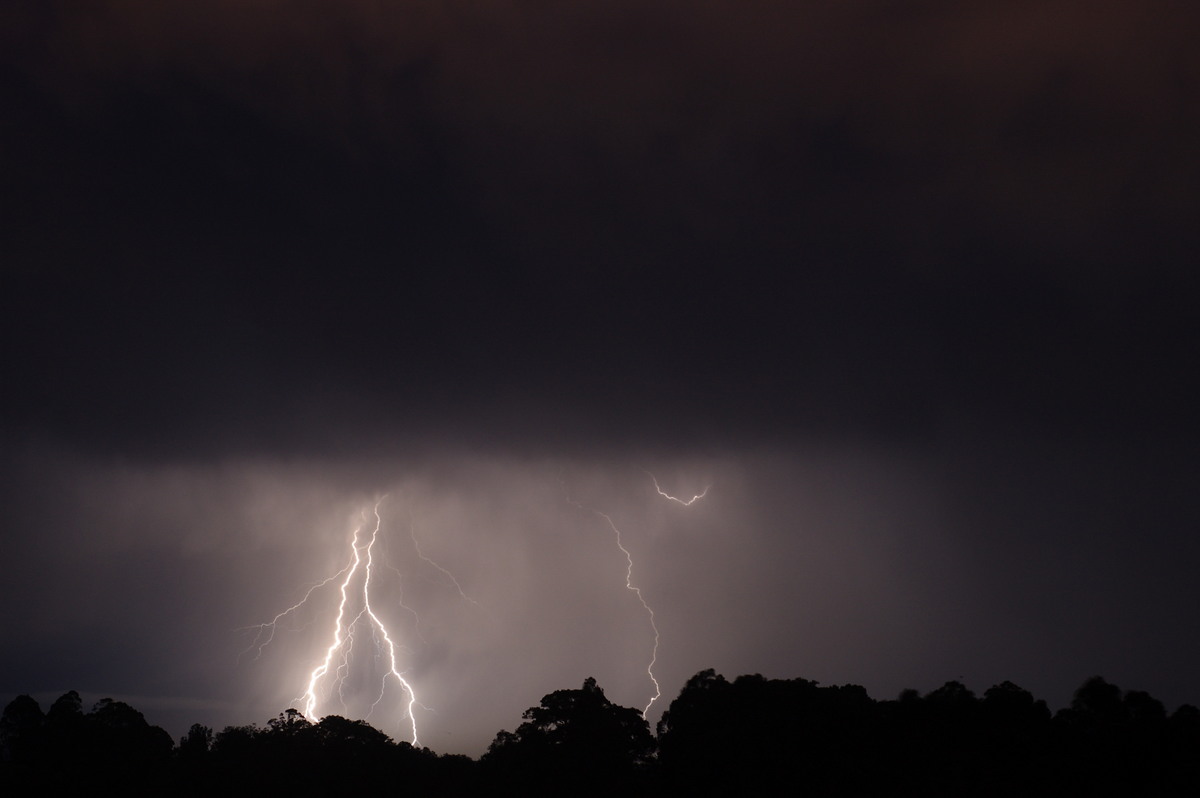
354,608
343,636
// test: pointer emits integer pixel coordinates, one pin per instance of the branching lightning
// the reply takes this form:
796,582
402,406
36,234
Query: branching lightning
342,656
269,627
342,643
355,610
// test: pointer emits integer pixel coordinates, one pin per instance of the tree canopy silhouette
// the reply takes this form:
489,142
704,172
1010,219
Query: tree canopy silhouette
752,735
574,741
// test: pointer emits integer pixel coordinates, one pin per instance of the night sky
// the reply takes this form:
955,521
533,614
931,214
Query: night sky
910,285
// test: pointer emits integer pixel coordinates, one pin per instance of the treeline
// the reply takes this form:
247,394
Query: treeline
750,736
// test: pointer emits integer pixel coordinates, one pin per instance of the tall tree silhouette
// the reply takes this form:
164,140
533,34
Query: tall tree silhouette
573,742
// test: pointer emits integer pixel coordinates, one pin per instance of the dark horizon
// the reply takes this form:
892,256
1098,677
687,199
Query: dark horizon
748,734
1089,689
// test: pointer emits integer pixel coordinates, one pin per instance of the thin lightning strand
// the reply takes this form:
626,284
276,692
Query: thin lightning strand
412,533
666,495
629,585
271,624
649,612
632,588
629,573
400,603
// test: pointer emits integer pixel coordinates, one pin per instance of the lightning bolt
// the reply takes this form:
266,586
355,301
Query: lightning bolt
355,609
356,612
666,495
630,586
342,642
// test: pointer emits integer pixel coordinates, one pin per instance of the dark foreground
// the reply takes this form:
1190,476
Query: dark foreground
752,736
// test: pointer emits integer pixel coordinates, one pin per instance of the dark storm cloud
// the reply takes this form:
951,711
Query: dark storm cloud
811,218
908,282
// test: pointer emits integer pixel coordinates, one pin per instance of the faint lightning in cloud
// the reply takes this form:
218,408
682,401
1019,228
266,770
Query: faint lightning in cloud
412,533
688,502
400,602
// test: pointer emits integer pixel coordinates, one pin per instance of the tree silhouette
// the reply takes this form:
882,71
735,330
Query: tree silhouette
195,745
767,736
574,741
750,736
67,708
22,729
111,746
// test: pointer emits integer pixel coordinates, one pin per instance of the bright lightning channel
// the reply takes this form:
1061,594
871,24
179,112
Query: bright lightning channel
343,636
334,669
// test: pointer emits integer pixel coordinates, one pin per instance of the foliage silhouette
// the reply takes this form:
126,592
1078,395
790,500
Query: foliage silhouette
110,746
749,736
575,741
765,736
